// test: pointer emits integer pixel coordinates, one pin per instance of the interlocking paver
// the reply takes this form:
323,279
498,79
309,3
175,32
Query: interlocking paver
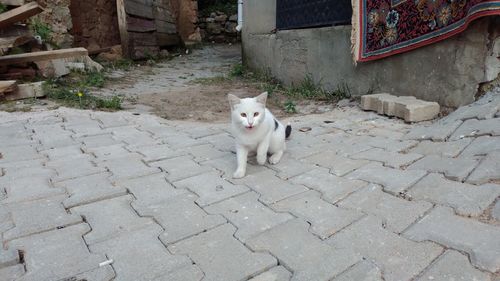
12,272
85,129
271,188
29,188
363,271
180,217
398,258
278,273
223,142
453,265
58,254
466,199
216,250
187,273
211,188
181,141
475,128
389,144
390,159
74,167
110,120
139,256
110,219
311,259
88,189
393,180
445,149
481,146
249,215
495,213
97,141
488,170
477,239
453,168
19,153
227,165
395,212
325,218
132,136
8,257
151,189
38,216
338,165
180,168
204,152
438,131
127,167
108,152
485,108
62,152
158,152
332,188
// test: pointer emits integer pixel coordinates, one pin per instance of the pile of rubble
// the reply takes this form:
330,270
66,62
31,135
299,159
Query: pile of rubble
219,28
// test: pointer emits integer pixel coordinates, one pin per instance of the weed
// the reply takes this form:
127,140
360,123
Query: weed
3,8
307,89
342,91
290,107
237,71
95,79
211,80
41,29
122,64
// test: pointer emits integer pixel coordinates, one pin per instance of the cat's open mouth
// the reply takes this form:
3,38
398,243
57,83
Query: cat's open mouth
249,127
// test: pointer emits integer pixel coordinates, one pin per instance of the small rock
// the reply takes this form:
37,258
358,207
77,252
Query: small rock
233,18
209,20
213,15
221,18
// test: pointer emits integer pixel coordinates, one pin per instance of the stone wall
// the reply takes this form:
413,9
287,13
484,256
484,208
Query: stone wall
219,28
186,13
58,17
448,72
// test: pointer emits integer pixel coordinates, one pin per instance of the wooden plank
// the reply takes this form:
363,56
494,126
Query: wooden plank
19,14
43,56
142,39
12,2
11,42
7,86
139,8
143,52
140,25
164,14
123,27
165,27
167,39
26,91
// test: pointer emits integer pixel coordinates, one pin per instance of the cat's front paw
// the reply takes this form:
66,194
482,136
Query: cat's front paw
275,158
261,159
238,174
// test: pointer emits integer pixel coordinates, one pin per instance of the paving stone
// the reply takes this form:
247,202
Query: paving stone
12,272
110,120
180,168
496,211
278,273
63,254
127,167
28,189
97,141
109,152
158,152
444,149
142,261
210,188
216,251
393,180
397,257
475,110
151,189
482,146
271,188
332,188
389,144
227,165
187,273
38,216
84,129
132,136
302,151
223,142
408,108
159,131
53,139
311,259
390,159
325,218
8,257
456,169
180,217
362,271
110,219
338,165
466,199
181,141
488,170
75,167
395,212
437,132
475,128
204,152
105,274
477,239
249,215
452,265
200,132
19,153
89,189
6,222
62,152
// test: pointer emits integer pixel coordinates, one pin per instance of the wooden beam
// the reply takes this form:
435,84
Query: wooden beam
43,56
19,14
140,24
165,39
7,86
12,2
14,41
123,27
140,8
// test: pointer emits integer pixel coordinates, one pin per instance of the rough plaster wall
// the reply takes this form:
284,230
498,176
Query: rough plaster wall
95,23
58,17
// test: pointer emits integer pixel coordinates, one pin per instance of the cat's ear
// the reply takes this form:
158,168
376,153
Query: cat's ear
233,100
262,98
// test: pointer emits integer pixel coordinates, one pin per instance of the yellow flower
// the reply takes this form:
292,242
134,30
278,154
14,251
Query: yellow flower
80,94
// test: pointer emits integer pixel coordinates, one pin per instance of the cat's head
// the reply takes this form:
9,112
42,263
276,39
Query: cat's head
248,113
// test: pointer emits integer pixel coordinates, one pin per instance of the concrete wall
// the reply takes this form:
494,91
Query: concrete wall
448,72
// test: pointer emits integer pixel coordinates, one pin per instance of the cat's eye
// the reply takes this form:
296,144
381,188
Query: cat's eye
255,114
243,115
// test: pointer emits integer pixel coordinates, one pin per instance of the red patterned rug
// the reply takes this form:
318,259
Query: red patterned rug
383,28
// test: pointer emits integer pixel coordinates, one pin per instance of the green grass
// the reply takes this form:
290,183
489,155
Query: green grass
94,79
237,70
41,29
211,80
3,8
290,107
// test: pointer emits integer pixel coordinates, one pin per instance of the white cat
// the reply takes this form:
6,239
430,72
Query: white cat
256,130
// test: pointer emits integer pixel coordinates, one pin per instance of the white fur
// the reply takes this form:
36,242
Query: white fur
255,133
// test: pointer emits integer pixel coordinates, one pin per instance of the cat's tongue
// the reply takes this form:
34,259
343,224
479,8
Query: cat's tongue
249,127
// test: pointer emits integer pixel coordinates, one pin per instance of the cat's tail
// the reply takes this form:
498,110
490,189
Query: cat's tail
288,131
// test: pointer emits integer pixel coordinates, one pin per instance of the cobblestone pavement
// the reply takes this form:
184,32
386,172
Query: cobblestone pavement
357,197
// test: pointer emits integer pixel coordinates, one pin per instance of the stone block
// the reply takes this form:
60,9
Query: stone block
180,168
151,189
249,215
29,188
477,239
389,159
204,152
362,271
97,141
70,168
393,180
62,152
337,164
475,128
158,152
109,152
397,214
211,188
127,167
481,146
12,272
437,132
19,153
400,258
221,257
278,273
8,257
445,149
495,213
110,120
332,188
316,261
466,199
227,165
405,107
180,217
456,169
488,170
